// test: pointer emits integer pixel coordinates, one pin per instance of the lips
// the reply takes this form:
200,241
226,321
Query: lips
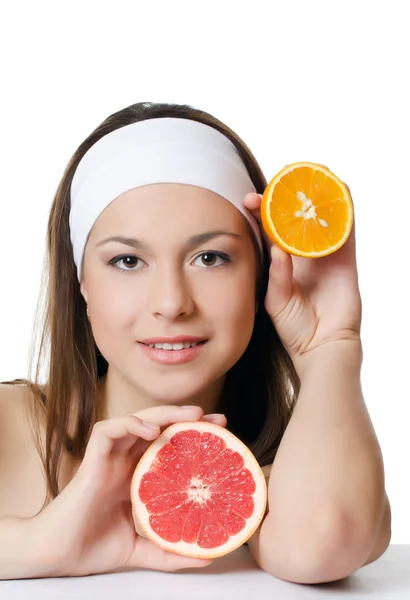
173,354
189,339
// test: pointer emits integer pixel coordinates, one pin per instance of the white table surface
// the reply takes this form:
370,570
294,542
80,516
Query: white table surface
233,575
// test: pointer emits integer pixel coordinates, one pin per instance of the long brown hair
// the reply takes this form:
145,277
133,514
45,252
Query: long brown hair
259,392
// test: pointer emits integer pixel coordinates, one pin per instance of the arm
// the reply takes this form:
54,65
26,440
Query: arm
20,554
21,546
328,511
383,536
72,536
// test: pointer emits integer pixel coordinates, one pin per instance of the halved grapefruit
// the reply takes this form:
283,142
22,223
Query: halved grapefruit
198,491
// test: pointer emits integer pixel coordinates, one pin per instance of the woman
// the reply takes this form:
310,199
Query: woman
153,239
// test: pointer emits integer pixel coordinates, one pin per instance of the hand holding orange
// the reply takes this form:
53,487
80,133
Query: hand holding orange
307,210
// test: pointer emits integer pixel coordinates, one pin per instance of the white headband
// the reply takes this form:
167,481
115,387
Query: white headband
161,150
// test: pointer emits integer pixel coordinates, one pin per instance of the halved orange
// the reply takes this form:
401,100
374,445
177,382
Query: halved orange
307,210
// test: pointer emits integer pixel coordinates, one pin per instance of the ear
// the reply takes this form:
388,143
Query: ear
83,291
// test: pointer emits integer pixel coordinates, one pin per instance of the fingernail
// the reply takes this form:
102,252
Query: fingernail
188,407
150,425
214,416
218,419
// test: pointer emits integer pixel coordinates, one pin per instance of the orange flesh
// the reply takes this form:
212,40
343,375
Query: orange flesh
317,194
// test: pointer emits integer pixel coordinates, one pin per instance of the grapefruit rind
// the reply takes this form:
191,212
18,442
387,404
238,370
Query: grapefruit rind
270,228
141,514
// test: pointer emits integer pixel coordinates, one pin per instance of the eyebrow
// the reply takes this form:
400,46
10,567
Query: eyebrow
191,243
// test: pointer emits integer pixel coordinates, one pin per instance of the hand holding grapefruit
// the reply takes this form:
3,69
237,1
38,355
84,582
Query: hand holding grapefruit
198,491
88,528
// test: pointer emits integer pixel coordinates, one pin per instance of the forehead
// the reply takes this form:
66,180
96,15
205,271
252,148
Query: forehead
163,206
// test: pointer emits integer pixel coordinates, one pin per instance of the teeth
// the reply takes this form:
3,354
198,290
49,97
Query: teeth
188,345
179,346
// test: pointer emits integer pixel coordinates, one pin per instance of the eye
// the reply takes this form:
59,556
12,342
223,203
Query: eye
129,260
212,259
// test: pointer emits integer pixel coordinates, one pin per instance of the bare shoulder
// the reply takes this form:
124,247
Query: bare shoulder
14,405
11,402
20,465
14,423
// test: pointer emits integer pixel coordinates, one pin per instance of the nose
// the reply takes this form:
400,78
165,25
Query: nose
170,294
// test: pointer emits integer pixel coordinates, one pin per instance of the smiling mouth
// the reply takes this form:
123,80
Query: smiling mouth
176,346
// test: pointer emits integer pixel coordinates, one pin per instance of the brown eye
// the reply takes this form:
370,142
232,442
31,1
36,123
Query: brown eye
130,263
211,259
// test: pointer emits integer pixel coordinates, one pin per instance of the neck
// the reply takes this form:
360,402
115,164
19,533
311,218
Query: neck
121,397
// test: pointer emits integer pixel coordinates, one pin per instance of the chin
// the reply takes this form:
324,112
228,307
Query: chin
175,390
174,396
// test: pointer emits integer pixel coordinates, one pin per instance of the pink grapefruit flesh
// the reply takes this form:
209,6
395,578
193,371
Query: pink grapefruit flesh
198,491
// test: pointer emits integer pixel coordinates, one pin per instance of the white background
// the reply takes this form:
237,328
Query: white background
318,81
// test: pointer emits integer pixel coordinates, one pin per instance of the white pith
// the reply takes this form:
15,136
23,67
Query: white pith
200,492
308,209
141,515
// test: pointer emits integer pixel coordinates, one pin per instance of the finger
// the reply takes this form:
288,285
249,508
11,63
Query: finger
252,201
127,429
147,555
166,415
280,282
216,418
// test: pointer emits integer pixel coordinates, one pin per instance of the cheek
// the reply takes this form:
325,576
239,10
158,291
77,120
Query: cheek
237,315
114,309
235,310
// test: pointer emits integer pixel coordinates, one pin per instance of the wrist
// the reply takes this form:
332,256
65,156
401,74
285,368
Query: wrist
45,552
345,354
23,553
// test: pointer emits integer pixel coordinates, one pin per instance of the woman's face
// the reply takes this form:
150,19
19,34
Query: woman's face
187,269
